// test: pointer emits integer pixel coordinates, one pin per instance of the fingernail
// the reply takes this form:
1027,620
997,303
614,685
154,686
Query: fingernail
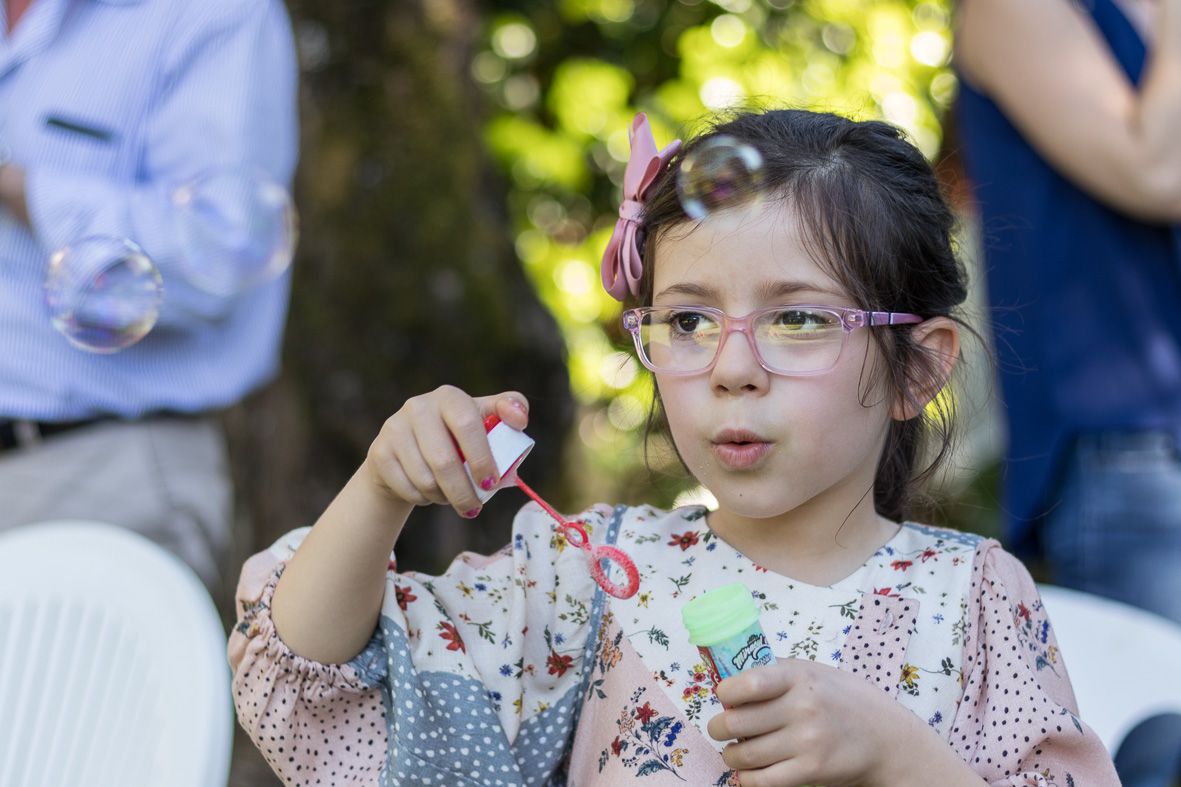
518,404
488,483
471,514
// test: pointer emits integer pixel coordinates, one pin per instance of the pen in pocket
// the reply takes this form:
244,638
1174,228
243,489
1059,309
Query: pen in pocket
79,127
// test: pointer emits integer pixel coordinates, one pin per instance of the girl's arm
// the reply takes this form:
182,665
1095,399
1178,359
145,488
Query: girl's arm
512,652
919,756
1050,71
1017,720
326,604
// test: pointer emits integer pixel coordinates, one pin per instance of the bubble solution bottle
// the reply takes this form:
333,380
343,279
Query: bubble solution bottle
724,625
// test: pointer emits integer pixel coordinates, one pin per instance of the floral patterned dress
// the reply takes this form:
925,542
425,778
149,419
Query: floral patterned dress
515,669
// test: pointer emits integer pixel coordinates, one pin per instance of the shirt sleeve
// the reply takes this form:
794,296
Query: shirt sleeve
1017,723
293,708
226,99
473,672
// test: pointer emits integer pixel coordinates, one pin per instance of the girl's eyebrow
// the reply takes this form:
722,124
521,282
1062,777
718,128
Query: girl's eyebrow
766,291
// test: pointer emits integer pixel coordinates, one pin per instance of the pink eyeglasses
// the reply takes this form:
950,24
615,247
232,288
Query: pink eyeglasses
788,340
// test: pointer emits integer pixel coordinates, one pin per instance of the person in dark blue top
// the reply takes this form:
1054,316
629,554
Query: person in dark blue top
1069,119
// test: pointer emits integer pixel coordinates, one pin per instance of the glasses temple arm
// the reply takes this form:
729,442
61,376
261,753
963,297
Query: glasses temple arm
892,318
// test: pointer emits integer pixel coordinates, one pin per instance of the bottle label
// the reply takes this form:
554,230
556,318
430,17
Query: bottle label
741,652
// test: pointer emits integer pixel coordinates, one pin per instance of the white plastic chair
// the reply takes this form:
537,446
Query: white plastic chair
1124,663
113,667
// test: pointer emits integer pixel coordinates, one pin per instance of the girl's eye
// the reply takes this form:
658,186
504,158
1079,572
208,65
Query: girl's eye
799,323
802,320
690,322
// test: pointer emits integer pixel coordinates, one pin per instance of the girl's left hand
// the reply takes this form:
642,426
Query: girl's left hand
799,723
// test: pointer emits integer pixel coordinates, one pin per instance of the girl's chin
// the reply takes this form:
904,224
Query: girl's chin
750,506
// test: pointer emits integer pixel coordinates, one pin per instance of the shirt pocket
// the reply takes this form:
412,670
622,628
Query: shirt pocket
82,143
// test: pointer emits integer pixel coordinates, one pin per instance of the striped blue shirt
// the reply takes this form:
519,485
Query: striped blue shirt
108,106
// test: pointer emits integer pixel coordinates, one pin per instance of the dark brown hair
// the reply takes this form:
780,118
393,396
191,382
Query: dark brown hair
874,218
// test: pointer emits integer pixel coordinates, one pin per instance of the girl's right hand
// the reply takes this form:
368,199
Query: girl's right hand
416,457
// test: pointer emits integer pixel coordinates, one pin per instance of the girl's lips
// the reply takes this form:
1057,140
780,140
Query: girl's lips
740,456
737,436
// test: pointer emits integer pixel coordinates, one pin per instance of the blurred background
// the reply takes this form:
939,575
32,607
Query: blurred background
460,172
459,177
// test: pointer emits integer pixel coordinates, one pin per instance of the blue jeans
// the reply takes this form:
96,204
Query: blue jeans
1116,532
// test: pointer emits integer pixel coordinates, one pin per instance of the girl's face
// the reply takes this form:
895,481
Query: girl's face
815,445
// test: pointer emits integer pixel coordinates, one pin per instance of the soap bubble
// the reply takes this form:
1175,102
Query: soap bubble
103,293
237,231
718,174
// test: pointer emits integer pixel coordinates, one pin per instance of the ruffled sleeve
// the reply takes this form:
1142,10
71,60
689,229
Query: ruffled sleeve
1017,723
294,709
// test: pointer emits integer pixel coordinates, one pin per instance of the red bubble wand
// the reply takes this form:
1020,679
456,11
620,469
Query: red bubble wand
509,447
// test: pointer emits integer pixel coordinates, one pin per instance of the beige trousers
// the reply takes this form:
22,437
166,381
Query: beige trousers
166,478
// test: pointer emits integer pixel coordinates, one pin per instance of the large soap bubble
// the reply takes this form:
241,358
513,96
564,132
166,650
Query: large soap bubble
719,173
237,230
103,293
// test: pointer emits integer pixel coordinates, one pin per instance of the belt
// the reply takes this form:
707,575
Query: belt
15,434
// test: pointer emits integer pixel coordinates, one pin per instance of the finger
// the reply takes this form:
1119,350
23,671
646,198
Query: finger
748,721
785,773
402,469
395,478
759,684
758,752
464,420
438,448
408,450
510,406
419,473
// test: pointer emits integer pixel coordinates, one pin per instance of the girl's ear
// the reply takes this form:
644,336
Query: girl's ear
939,338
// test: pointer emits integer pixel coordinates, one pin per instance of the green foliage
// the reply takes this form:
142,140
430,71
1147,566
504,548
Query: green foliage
569,76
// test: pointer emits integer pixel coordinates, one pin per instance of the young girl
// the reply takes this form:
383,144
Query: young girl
796,340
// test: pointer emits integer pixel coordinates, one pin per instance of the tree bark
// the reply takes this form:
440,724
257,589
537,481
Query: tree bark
405,279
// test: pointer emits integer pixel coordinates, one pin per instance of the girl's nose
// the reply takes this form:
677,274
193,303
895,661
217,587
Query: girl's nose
737,367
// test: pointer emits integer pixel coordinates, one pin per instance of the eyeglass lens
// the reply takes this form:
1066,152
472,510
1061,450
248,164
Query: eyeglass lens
791,340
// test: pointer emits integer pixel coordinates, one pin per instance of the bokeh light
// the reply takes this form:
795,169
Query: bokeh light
514,40
721,92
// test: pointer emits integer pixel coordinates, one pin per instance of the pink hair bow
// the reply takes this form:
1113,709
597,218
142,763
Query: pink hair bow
622,265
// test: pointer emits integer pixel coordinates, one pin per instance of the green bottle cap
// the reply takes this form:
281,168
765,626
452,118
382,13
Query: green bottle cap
719,614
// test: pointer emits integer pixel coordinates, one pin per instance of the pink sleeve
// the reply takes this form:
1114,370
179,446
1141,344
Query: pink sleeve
1017,722
294,709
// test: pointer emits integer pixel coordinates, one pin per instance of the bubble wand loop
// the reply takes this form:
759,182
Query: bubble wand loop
575,534
509,447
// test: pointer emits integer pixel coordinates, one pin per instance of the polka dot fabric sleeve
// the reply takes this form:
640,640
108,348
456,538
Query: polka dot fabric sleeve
1017,721
316,724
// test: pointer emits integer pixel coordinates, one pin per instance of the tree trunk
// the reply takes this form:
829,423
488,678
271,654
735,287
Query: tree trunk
406,277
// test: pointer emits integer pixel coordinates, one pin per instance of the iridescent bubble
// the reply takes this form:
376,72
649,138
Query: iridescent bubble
237,231
718,174
103,293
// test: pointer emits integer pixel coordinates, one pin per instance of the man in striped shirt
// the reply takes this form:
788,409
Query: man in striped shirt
106,107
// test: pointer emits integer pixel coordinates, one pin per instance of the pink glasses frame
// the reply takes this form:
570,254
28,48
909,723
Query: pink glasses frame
851,320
